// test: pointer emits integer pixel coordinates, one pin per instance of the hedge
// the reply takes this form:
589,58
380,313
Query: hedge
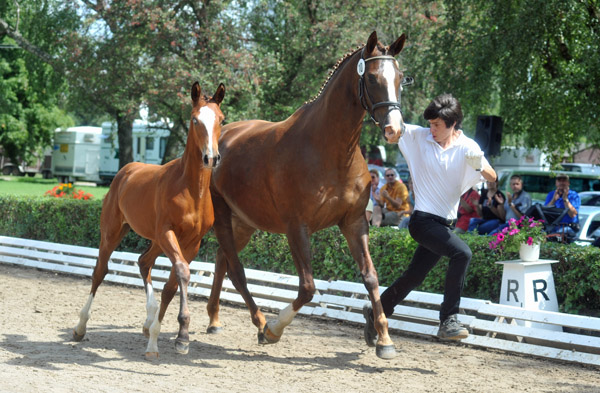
576,276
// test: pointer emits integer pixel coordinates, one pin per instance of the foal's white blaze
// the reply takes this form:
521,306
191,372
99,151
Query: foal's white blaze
84,316
389,74
207,117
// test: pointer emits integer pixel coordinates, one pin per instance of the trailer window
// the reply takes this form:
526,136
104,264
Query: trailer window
149,143
162,147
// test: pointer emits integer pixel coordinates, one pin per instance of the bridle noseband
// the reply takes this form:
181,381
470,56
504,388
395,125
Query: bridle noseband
362,87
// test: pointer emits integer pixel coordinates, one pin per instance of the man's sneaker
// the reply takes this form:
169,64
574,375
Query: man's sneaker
451,329
370,332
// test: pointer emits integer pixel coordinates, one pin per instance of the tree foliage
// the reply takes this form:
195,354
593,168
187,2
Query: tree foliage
31,94
533,63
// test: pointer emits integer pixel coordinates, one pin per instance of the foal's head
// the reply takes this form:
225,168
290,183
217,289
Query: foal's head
382,86
206,123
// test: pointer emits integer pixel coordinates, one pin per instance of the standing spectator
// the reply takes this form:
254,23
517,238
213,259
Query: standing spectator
564,198
467,209
393,197
488,210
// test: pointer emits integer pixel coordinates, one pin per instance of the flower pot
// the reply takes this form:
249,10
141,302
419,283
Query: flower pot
529,253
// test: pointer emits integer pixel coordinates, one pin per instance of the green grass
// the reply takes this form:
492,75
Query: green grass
37,186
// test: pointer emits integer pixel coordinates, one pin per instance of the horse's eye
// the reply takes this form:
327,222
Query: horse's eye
372,78
195,120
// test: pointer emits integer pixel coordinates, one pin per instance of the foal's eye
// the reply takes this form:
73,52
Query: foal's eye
372,78
195,120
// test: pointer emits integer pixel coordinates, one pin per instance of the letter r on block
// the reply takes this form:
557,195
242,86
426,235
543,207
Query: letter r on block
541,290
512,287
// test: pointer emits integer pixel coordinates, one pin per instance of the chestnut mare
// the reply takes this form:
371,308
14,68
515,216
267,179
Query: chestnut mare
305,174
171,206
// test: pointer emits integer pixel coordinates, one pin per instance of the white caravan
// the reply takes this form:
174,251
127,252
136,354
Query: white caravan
149,143
76,154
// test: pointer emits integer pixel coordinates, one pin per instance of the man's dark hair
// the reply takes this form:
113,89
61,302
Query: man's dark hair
447,108
518,177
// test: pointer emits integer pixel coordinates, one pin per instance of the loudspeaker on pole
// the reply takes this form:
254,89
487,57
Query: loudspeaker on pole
489,134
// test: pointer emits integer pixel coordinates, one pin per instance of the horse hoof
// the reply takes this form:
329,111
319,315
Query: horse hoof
385,351
182,347
78,337
146,332
151,356
214,329
266,337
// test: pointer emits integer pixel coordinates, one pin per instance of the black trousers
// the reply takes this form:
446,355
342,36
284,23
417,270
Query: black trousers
436,239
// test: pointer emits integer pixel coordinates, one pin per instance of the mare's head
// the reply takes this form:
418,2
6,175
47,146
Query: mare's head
380,85
205,125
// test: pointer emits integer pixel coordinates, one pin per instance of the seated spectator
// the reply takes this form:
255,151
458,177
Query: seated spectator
411,200
369,210
393,197
516,204
488,210
564,198
467,209
374,197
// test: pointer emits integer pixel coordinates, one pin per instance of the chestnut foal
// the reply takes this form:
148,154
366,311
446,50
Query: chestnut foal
171,206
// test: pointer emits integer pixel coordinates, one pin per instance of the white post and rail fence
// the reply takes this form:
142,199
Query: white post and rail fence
526,321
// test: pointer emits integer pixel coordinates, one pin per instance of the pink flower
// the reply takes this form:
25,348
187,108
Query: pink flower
530,240
500,237
514,232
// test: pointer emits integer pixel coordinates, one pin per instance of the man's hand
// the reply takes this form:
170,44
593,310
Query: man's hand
475,161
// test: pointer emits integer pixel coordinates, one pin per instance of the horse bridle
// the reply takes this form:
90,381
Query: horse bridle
362,87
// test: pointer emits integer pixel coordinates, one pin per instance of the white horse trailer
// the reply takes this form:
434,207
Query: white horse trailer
76,154
149,144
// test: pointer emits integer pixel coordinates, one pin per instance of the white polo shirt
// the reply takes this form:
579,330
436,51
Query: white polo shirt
440,176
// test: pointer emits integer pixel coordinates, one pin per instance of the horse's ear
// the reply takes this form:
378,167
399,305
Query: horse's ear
371,43
196,92
397,46
219,94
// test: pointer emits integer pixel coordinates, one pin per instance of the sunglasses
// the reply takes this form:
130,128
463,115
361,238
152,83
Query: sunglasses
390,175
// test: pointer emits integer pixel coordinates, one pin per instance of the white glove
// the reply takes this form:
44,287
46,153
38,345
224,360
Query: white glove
475,161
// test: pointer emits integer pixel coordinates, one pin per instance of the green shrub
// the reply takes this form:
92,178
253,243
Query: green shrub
576,276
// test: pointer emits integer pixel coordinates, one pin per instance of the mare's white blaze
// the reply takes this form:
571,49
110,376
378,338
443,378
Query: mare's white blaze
151,306
389,74
207,116
84,316
285,318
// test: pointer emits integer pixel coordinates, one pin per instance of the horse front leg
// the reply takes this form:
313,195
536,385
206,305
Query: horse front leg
180,276
357,236
299,242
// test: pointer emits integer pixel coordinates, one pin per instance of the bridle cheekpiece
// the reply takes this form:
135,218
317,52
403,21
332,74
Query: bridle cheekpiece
364,93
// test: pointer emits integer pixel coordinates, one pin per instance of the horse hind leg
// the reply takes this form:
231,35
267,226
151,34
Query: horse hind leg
108,244
146,263
299,243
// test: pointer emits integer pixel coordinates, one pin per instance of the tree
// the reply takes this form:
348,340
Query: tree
533,63
31,92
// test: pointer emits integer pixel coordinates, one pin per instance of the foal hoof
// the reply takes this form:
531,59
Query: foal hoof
182,347
78,337
151,356
214,329
266,337
385,351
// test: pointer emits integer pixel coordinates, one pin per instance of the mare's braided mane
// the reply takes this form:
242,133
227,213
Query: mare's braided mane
333,70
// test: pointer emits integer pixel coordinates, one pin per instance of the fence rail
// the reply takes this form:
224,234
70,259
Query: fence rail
493,325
